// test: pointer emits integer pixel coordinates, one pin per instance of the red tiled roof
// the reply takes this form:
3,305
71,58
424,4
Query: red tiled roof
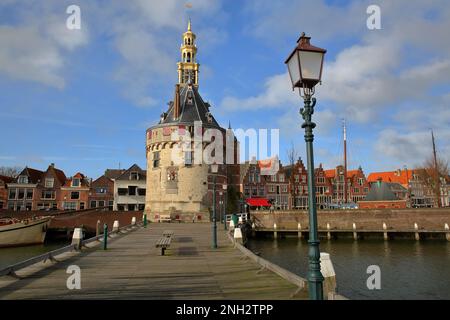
401,176
6,179
34,175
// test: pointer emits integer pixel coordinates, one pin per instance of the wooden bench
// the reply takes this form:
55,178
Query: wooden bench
163,243
168,233
165,218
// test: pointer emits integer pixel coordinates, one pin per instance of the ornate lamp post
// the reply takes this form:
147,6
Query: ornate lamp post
214,170
305,69
224,187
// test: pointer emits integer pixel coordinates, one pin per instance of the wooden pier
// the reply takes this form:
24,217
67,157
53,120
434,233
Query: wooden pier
132,268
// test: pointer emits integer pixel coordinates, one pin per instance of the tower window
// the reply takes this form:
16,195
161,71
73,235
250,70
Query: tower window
189,57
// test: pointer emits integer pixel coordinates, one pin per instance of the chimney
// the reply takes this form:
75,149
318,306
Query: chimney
52,165
176,103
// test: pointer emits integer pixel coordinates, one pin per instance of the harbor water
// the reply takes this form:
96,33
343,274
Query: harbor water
9,256
409,269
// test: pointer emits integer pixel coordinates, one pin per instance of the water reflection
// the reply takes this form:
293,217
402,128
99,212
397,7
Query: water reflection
409,269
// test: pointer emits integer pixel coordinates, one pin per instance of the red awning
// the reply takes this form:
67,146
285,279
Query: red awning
258,202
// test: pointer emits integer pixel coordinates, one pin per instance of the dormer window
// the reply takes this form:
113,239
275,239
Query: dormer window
134,175
76,182
23,179
49,182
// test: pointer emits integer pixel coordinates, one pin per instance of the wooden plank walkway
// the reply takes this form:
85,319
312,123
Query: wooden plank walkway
132,268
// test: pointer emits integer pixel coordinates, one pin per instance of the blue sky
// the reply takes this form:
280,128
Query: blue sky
83,99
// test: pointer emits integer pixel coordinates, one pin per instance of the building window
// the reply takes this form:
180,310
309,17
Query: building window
81,205
12,194
247,191
254,192
134,176
320,180
355,190
141,206
261,192
70,206
122,191
121,207
361,181
110,205
21,194
48,194
141,191
75,182
132,190
366,190
75,195
93,204
49,182
23,179
100,190
297,178
188,158
101,203
29,194
1,205
273,178
11,206
131,207
281,177
156,159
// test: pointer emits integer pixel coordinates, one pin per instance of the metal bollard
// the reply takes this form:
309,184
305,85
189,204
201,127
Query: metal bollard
145,220
105,236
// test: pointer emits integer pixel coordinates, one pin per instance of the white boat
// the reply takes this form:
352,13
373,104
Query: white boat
14,232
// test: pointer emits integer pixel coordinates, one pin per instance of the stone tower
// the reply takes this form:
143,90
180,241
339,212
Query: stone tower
179,180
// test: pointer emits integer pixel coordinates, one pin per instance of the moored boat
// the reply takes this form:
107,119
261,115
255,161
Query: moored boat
14,232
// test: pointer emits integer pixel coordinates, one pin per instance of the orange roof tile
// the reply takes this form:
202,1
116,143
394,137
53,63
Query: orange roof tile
401,176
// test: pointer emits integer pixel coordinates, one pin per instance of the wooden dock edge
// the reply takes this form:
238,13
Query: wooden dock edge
298,281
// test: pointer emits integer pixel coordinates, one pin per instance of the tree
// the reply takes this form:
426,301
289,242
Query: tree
431,174
292,155
12,172
232,200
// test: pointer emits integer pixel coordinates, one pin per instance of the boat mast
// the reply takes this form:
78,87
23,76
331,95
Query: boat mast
345,161
436,172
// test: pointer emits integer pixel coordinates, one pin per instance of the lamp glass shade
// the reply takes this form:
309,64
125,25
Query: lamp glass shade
294,69
214,168
311,65
224,187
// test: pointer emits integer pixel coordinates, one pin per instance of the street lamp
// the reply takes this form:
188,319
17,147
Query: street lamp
224,187
305,65
214,170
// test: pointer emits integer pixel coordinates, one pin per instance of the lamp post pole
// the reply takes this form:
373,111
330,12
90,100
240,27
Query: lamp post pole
305,65
214,214
315,278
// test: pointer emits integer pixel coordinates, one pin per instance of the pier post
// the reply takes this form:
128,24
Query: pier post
97,228
328,232
240,221
116,226
253,229
355,234
327,270
105,236
275,233
77,238
447,232
237,235
385,235
299,227
232,225
145,220
133,221
416,234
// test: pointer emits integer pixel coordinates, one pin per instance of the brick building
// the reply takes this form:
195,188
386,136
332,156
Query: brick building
101,192
4,191
74,194
24,191
357,185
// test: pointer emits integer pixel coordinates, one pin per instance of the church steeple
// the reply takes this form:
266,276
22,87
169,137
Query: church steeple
188,67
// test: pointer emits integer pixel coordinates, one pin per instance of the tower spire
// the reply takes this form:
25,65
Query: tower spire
188,67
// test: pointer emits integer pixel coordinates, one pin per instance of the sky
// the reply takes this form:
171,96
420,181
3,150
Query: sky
82,99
